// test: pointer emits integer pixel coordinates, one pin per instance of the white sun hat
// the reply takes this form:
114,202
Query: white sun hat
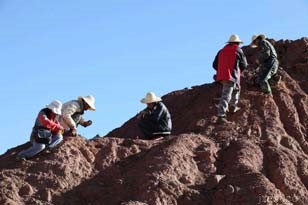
150,98
90,100
55,106
254,37
234,39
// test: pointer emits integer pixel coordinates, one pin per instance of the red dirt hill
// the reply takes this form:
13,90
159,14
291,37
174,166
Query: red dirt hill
261,157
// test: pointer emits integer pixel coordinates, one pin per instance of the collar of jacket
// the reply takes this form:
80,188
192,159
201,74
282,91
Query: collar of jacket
155,106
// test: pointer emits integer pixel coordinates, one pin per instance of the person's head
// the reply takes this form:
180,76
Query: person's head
55,106
88,102
256,39
150,99
151,105
234,39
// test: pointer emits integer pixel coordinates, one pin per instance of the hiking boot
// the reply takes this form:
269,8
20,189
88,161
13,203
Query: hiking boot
222,120
234,109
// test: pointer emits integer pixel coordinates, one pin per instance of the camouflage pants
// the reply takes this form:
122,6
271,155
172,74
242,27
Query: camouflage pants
266,72
230,95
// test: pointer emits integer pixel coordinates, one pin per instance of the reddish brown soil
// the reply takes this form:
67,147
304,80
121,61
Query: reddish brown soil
261,157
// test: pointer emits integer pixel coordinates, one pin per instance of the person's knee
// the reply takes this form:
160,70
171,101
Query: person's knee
40,146
58,137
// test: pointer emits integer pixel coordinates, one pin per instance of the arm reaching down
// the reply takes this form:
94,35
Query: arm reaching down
54,126
68,112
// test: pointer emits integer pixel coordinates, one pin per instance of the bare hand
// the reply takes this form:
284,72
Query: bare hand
88,123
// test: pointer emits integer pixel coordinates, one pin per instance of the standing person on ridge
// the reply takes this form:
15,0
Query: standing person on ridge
229,63
47,132
267,61
72,112
155,120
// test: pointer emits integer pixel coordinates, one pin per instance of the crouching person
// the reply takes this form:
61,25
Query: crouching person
267,61
72,113
155,120
47,131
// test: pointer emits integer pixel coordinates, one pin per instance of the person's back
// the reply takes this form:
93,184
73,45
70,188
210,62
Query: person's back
229,62
69,109
163,117
267,51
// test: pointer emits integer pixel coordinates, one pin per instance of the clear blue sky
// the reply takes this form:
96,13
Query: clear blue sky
118,50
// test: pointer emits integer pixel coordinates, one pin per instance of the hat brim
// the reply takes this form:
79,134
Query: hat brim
57,111
147,101
262,36
235,42
54,110
91,106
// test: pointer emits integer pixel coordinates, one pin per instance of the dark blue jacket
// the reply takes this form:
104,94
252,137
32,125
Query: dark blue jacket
159,116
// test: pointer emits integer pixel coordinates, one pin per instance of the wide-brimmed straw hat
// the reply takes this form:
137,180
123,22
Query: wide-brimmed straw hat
90,100
150,98
254,37
55,106
234,39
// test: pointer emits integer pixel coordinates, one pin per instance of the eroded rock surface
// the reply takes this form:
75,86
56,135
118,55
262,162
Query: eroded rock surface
261,157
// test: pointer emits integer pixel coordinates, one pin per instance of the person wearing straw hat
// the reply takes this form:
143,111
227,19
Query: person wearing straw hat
155,120
229,62
47,131
267,60
72,112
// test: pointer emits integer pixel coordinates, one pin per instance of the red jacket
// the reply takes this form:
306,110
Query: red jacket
229,62
46,119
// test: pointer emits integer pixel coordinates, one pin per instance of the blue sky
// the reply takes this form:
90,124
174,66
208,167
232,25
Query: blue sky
118,50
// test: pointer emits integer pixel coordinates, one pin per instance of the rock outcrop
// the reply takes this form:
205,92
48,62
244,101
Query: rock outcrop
261,157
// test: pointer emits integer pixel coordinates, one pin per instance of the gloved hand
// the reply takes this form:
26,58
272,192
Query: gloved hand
87,123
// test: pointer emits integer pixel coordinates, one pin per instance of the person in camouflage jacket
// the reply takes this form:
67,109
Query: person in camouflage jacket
267,60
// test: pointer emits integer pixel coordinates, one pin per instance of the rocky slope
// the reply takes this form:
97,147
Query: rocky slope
261,157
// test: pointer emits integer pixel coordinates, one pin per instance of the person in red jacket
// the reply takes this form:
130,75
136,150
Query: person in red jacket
229,63
47,131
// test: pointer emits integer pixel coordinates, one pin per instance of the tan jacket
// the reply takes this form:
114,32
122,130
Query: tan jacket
72,112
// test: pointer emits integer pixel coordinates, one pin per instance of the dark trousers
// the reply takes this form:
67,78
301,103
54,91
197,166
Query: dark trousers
267,70
150,130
